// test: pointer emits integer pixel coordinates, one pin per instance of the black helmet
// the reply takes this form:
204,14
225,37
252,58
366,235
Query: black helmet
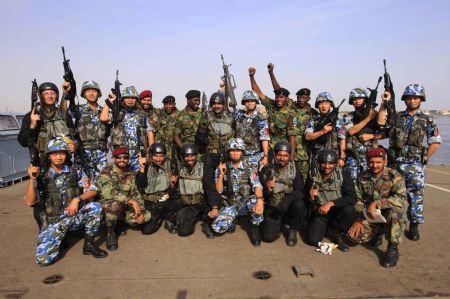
218,98
157,148
189,149
48,86
283,146
327,155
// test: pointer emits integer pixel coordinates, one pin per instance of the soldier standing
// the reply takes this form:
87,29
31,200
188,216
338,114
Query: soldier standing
283,196
253,128
362,135
332,196
154,180
146,103
380,188
92,134
120,197
133,127
281,124
164,124
406,151
66,207
188,120
241,193
331,136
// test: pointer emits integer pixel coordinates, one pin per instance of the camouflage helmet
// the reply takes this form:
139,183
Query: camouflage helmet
324,96
415,90
56,145
283,146
327,155
250,95
90,85
189,149
130,92
48,86
357,93
217,97
157,148
236,144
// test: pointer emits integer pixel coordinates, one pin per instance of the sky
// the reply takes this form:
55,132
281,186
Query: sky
170,47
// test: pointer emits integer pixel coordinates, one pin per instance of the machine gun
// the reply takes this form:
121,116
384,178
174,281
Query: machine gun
330,118
390,105
230,86
368,105
116,104
70,96
34,154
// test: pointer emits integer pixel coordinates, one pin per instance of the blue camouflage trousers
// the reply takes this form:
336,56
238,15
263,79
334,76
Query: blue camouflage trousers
227,215
355,166
134,159
414,174
91,162
50,237
253,160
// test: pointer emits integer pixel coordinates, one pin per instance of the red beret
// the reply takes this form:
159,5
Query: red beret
145,94
376,152
120,151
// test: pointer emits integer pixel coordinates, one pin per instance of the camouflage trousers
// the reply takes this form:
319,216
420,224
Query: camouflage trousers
227,215
253,160
414,174
355,166
91,162
393,228
134,159
50,237
303,166
117,211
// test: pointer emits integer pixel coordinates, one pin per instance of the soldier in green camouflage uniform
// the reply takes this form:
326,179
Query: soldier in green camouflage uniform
188,120
145,103
281,116
380,188
120,197
163,123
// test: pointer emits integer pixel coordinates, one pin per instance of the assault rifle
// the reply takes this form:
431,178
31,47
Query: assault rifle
116,104
204,104
230,86
369,104
34,154
330,118
70,96
390,105
142,136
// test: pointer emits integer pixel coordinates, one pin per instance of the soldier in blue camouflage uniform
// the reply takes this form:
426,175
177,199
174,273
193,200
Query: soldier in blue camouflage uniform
241,193
406,151
65,206
332,136
380,188
361,134
92,133
253,128
134,129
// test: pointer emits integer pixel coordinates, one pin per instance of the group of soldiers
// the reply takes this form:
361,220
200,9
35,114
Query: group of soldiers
270,161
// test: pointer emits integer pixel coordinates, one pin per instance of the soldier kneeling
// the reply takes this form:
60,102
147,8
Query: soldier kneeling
120,197
65,207
380,188
284,196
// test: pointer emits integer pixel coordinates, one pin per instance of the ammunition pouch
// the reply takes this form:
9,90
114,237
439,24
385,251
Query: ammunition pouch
154,197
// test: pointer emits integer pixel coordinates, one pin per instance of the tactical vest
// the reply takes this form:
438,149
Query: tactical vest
92,136
409,144
119,133
53,202
220,130
249,132
284,179
53,125
328,141
242,181
329,191
157,181
353,143
191,187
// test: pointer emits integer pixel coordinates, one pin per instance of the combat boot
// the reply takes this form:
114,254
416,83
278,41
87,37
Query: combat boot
292,237
255,235
206,229
111,240
377,240
232,227
390,258
342,246
90,248
171,227
413,233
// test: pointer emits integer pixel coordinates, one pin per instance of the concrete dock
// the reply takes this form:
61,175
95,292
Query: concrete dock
168,266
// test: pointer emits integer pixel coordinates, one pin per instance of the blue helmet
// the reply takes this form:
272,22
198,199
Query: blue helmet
415,90
56,145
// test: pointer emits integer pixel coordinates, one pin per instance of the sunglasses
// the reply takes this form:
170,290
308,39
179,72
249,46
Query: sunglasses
125,157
